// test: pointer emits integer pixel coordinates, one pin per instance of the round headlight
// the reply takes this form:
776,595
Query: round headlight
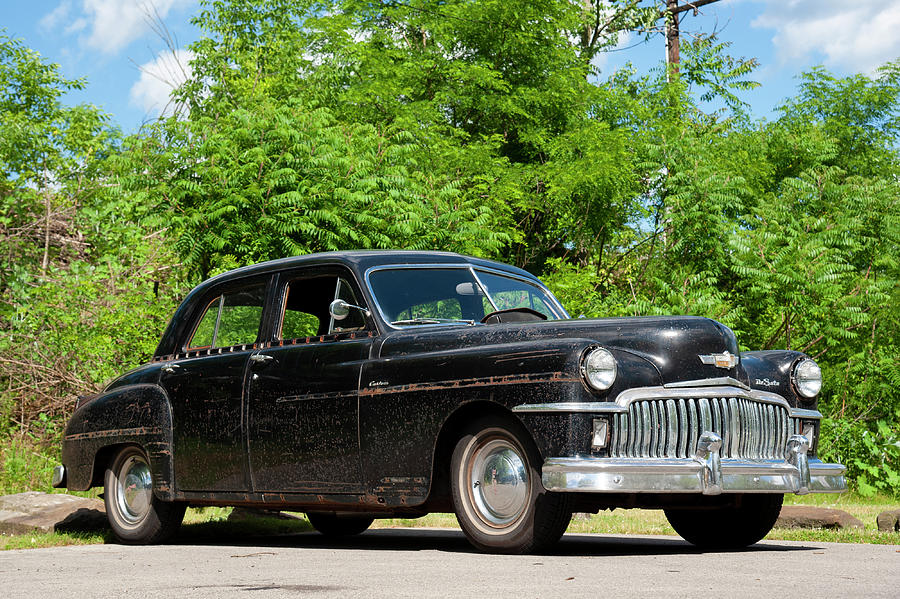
807,378
599,368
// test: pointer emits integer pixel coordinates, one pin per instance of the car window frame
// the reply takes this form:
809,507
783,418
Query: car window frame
219,291
286,277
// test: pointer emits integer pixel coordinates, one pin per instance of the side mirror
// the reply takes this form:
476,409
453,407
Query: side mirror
465,289
339,309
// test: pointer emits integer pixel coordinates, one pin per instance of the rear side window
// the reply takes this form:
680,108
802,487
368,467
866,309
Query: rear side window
232,318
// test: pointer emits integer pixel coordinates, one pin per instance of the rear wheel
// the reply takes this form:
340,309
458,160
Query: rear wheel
332,525
500,503
747,521
134,513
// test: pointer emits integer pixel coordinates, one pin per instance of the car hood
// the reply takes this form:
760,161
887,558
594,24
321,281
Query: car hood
672,344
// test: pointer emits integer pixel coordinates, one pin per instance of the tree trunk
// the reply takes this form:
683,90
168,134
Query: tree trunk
45,261
673,37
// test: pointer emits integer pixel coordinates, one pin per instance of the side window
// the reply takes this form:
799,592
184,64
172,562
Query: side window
230,319
205,331
297,324
306,307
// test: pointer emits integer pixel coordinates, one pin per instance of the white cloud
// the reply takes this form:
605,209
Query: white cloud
110,25
623,40
159,77
57,16
857,36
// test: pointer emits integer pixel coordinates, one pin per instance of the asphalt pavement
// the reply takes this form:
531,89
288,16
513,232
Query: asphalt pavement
440,563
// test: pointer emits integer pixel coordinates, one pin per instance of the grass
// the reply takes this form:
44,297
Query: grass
212,524
653,522
24,464
38,540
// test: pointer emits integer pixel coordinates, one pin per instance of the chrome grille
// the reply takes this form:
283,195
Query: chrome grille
670,428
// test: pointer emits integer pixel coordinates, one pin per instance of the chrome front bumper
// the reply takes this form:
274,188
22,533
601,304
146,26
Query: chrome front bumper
705,473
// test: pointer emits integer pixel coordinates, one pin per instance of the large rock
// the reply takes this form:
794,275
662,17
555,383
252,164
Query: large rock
807,516
26,512
889,521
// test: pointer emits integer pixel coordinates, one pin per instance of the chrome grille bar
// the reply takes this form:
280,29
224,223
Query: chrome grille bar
670,428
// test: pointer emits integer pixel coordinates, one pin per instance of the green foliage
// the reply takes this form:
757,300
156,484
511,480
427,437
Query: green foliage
479,126
281,180
85,288
48,157
872,456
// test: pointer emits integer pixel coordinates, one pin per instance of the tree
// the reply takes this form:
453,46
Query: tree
47,151
84,287
276,180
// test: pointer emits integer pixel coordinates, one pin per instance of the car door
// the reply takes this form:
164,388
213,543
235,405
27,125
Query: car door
206,387
303,390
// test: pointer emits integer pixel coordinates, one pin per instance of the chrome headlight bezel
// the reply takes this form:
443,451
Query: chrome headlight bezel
807,378
599,368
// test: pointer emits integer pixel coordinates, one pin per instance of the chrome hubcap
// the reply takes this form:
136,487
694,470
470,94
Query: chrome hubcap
499,483
135,489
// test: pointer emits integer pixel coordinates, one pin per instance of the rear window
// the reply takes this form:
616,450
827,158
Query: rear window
230,319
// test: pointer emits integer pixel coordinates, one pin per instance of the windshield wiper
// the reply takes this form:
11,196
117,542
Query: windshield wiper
413,321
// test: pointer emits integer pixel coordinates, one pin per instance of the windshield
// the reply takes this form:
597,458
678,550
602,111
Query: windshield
428,296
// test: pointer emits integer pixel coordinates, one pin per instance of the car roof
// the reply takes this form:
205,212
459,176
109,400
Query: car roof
362,260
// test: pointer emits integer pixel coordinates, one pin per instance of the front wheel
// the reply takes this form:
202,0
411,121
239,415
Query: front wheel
134,513
737,525
500,503
332,525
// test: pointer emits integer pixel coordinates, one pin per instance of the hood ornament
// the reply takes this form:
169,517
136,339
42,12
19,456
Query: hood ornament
723,360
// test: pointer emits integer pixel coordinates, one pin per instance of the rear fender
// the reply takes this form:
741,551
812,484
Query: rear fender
138,415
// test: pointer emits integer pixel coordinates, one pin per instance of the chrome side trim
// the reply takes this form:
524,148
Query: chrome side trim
629,396
569,406
722,380
605,475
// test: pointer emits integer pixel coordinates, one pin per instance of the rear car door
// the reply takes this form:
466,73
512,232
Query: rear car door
206,385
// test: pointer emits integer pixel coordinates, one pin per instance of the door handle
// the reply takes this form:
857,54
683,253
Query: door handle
261,358
170,368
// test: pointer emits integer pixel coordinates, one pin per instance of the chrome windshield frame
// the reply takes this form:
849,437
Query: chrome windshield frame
553,304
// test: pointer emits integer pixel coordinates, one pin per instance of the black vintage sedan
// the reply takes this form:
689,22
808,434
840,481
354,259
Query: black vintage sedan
361,385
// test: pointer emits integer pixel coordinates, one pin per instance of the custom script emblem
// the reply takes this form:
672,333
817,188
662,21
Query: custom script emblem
766,382
724,360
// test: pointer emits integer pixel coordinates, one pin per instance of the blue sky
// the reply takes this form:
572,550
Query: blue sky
112,43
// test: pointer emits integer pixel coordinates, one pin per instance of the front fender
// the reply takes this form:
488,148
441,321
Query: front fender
138,414
771,371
